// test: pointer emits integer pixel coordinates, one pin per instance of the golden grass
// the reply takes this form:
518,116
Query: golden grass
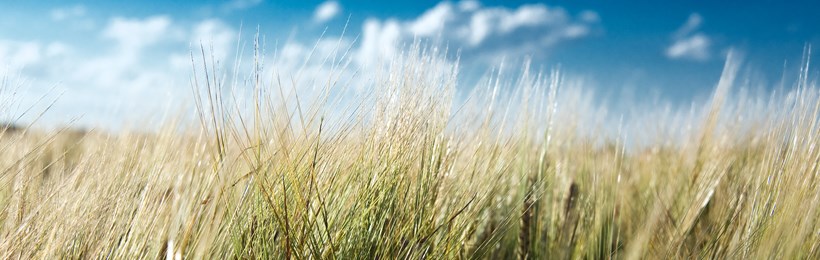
403,173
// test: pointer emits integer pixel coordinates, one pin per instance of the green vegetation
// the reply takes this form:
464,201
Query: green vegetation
407,172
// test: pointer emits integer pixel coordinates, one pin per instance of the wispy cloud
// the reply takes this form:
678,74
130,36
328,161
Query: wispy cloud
240,4
590,16
695,47
326,11
20,53
691,25
74,17
689,43
137,33
130,66
61,14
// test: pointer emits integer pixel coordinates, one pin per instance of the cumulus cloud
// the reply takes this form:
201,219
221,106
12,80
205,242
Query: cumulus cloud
689,43
326,11
489,31
379,40
433,20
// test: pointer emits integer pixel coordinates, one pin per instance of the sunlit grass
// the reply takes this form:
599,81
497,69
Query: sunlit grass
409,171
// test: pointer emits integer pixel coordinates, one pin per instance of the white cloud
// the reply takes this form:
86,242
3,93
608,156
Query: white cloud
291,58
692,24
468,5
73,17
209,33
122,62
480,30
18,54
216,33
62,14
695,47
527,16
590,16
135,64
379,40
326,11
240,4
433,21
689,43
136,33
55,49
134,68
127,62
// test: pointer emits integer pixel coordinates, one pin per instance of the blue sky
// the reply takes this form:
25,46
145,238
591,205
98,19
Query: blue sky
110,59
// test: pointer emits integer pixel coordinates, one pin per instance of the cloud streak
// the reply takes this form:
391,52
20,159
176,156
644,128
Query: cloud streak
62,14
240,4
689,43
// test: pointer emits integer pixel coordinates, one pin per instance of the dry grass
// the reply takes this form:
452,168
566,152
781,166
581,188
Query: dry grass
403,173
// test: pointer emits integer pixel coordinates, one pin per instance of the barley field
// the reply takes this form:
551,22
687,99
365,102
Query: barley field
522,166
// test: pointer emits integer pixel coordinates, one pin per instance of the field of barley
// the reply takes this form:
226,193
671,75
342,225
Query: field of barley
522,166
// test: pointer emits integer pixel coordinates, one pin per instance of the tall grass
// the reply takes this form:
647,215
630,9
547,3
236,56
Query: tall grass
407,170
